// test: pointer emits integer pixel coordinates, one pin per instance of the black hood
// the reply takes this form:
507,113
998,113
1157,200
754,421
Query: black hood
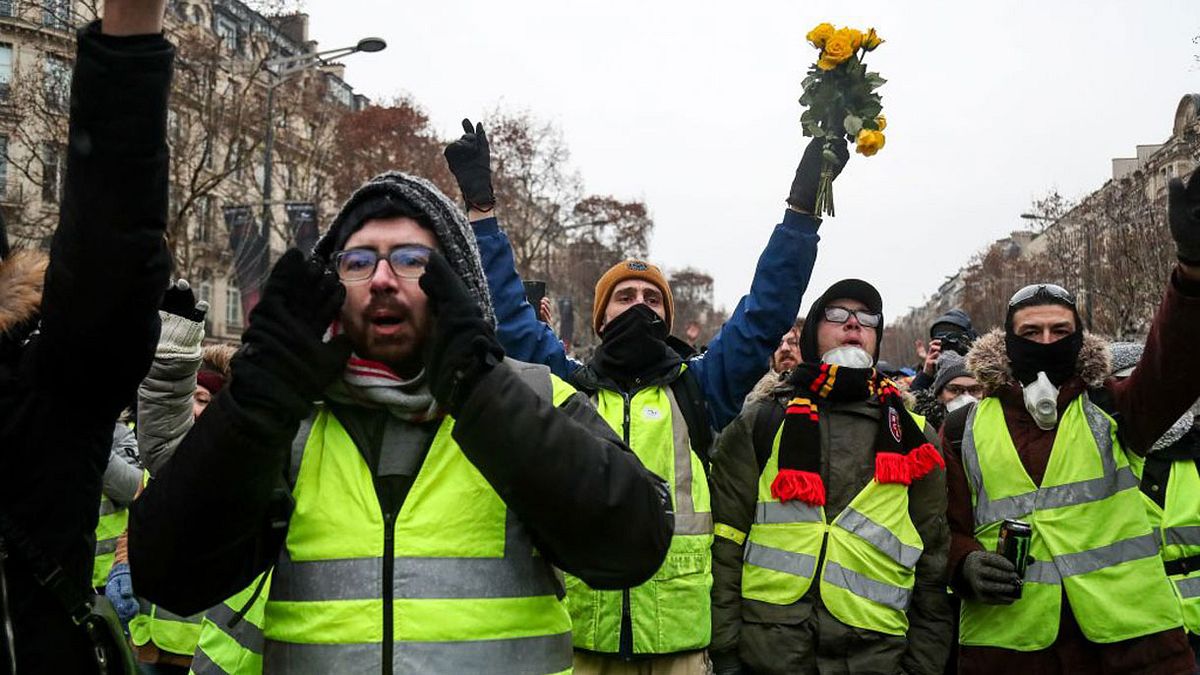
855,289
955,317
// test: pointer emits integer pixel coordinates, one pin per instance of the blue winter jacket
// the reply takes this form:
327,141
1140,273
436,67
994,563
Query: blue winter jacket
736,358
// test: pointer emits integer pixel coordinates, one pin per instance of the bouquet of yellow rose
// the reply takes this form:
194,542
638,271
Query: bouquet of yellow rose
841,99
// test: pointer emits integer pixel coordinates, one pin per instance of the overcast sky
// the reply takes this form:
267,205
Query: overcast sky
691,107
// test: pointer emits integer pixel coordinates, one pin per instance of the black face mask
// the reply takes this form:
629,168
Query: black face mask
633,345
1057,359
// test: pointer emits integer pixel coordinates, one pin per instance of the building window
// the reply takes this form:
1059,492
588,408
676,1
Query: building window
7,7
206,291
6,70
227,32
56,82
3,166
233,308
56,14
204,214
52,172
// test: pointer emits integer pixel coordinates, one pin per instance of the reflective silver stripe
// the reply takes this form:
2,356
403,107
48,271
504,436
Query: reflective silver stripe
787,512
1188,588
1020,506
159,614
778,560
1134,548
1042,572
541,654
246,634
865,587
518,574
687,519
298,443
106,546
203,665
1056,496
107,507
880,537
1188,535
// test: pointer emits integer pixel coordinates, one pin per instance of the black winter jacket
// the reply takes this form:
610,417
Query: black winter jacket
61,391
202,529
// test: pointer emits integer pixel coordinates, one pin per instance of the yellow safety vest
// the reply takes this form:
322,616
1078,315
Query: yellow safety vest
1177,529
1091,538
238,649
671,612
469,592
113,521
870,552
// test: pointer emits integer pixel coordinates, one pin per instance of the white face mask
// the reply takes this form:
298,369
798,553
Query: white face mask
1041,400
848,356
960,401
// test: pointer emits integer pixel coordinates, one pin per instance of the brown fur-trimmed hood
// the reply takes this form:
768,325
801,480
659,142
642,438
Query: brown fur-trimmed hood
988,360
216,357
22,275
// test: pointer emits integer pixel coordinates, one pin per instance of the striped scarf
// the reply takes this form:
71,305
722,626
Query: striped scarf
902,453
372,384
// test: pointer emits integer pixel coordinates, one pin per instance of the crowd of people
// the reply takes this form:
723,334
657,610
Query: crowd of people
402,469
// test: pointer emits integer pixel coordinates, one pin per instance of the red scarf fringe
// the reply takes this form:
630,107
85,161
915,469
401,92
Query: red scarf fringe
892,467
805,486
923,459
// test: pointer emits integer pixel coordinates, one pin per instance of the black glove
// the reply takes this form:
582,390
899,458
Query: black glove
803,195
283,365
470,160
726,663
463,346
1183,212
181,301
992,578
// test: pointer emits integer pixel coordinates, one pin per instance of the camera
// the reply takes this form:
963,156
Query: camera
956,341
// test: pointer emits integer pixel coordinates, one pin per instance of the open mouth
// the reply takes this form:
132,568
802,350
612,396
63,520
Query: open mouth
386,320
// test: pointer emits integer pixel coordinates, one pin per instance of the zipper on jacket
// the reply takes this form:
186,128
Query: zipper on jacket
389,570
625,640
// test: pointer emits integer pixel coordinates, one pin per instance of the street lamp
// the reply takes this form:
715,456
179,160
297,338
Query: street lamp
279,69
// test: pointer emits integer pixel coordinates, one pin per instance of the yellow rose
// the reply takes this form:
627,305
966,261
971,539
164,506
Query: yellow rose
819,35
838,50
869,142
881,123
855,36
872,40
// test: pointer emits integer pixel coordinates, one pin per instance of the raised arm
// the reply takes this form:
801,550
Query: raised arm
522,335
739,355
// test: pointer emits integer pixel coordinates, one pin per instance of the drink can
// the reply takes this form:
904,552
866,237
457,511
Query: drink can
1013,544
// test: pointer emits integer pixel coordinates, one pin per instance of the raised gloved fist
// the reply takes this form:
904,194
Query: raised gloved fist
992,578
180,301
119,591
464,346
803,194
1183,213
470,160
284,361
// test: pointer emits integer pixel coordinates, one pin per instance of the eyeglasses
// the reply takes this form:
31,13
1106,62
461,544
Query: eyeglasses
1049,291
358,264
836,314
975,390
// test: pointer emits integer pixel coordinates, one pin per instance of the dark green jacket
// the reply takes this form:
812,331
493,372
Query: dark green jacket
804,637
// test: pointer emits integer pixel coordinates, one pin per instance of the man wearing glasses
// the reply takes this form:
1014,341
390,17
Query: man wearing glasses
411,517
829,502
1054,451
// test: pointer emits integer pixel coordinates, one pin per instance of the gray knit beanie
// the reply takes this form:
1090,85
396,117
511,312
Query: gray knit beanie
454,235
949,366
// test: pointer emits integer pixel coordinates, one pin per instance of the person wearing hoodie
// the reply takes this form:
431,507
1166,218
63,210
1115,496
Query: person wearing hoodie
829,500
953,387
664,399
88,315
410,488
1170,484
950,332
1053,445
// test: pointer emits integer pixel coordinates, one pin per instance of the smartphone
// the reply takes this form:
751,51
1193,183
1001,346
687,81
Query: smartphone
534,292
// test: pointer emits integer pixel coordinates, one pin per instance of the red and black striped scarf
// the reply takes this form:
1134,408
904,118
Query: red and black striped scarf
902,453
